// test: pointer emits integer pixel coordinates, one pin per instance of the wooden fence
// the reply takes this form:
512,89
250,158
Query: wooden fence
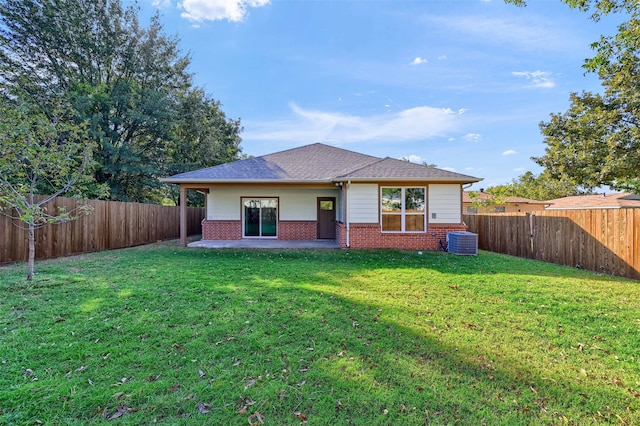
111,225
600,240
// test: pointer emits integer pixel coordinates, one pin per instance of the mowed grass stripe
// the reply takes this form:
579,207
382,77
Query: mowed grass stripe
181,336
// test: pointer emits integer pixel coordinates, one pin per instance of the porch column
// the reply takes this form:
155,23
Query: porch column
183,216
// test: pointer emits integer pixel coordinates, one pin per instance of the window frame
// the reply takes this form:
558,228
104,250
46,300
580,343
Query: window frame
403,211
260,222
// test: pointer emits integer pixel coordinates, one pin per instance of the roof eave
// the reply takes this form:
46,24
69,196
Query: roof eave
216,181
406,179
583,208
315,181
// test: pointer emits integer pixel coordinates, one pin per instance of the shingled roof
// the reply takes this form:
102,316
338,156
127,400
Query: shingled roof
596,201
318,163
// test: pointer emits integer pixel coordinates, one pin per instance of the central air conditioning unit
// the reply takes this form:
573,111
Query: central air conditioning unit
464,243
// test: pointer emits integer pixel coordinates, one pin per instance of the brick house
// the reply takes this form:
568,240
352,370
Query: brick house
507,204
318,192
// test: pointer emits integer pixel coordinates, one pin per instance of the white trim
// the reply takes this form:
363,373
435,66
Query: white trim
403,213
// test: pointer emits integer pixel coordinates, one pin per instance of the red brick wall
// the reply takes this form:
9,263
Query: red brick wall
297,230
363,235
341,234
232,230
221,230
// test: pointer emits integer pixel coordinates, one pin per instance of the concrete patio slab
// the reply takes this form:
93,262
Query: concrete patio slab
266,244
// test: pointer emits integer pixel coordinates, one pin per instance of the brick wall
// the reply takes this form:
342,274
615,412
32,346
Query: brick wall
361,235
369,236
297,230
232,230
341,234
221,230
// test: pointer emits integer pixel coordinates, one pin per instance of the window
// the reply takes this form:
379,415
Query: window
260,217
472,210
326,205
500,209
403,209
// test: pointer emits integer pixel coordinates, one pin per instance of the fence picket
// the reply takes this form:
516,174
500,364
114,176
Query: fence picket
600,240
111,225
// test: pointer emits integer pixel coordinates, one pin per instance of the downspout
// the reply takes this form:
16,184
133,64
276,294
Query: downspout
348,210
464,186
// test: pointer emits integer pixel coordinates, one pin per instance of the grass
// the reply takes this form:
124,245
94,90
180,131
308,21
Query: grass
160,334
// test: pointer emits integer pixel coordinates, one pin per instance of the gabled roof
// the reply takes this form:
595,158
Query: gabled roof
483,196
596,201
317,163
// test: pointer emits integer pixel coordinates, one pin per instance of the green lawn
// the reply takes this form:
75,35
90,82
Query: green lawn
160,334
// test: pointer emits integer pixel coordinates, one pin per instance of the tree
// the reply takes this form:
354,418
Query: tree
494,196
597,141
125,80
202,137
596,7
541,187
40,154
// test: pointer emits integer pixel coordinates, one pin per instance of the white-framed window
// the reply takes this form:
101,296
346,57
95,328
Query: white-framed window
403,209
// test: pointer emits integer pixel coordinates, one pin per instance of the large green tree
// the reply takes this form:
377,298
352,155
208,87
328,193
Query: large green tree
540,187
597,141
126,80
202,137
41,153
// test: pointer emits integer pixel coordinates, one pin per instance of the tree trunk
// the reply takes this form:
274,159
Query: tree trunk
32,251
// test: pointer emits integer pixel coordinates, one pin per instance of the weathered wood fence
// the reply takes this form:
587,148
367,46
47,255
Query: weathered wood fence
112,225
600,240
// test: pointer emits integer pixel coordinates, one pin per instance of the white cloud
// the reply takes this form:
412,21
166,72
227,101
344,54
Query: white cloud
540,79
418,60
509,152
519,169
451,169
308,126
161,3
442,57
526,32
472,137
413,158
212,10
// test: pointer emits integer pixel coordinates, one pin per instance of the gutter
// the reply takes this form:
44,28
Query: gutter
469,181
316,181
206,181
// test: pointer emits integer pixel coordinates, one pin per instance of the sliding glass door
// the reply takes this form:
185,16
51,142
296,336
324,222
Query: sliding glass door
260,217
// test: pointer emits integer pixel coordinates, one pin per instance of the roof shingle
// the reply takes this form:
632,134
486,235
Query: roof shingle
317,162
596,201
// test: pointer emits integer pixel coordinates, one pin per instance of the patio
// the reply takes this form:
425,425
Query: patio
266,244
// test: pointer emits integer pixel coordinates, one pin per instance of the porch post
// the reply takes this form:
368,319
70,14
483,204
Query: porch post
183,216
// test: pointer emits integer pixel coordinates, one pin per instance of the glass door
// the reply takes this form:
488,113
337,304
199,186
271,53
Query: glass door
260,217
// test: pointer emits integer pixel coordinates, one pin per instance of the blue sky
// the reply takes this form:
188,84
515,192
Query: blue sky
460,84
